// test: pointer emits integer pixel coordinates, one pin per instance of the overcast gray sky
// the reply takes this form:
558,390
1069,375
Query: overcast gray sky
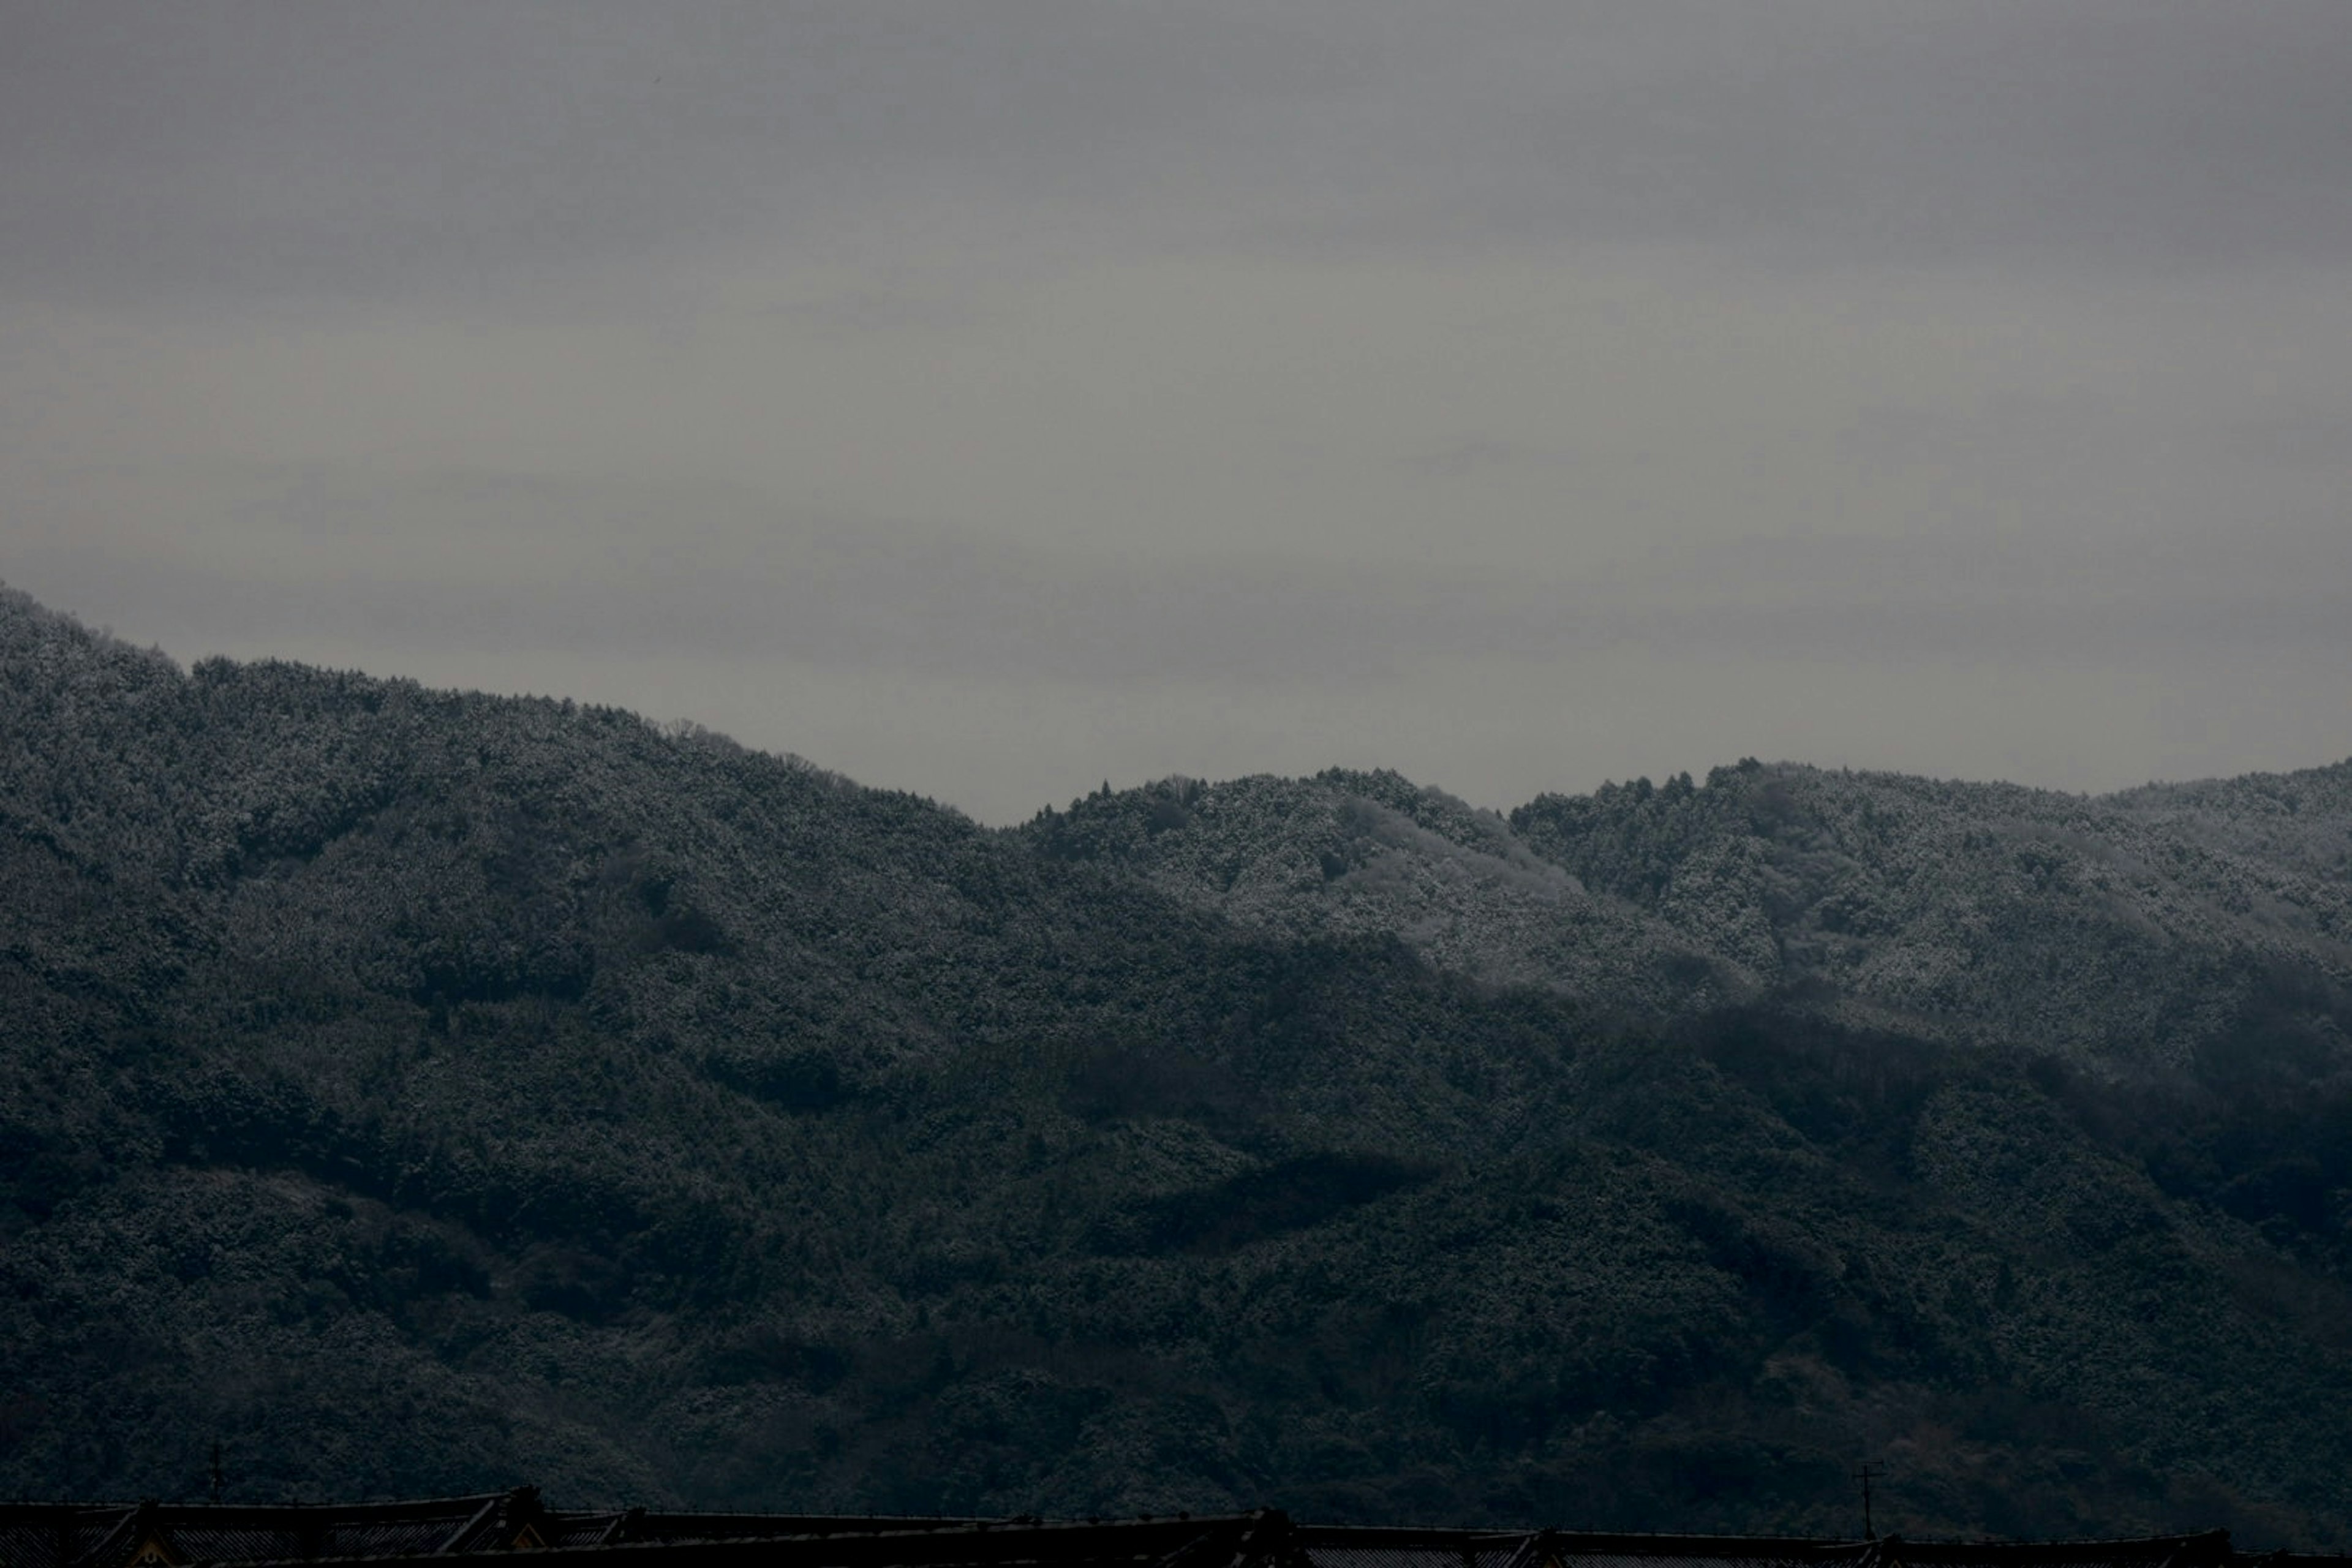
988,398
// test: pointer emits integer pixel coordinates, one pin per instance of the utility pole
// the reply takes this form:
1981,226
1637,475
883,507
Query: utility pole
1866,1474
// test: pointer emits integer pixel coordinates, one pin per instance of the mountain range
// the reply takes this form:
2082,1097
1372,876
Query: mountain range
414,1091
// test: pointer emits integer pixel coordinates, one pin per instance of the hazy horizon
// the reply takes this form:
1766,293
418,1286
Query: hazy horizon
1015,816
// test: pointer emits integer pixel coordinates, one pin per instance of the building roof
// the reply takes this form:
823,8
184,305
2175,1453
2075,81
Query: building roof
183,1535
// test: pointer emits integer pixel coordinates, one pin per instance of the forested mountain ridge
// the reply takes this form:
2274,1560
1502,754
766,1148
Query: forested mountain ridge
416,1092
2139,928
2127,931
1358,854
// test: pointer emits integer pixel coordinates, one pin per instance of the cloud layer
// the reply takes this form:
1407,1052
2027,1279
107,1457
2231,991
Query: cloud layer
984,401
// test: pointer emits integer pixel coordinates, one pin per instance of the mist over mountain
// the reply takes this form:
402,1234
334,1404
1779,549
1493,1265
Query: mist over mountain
414,1091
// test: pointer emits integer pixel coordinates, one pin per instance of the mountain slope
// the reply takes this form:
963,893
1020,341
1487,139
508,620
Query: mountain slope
418,1092
2133,930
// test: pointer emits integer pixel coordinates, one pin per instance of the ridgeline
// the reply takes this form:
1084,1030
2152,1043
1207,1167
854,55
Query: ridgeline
414,1092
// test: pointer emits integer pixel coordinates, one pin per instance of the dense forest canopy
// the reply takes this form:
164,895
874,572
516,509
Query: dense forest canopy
414,1091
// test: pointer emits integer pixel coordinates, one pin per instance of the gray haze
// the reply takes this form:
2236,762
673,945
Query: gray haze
988,399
